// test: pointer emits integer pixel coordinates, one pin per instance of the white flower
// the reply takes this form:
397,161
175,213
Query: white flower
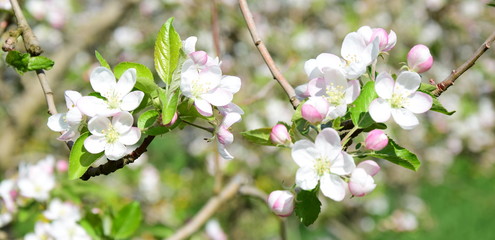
281,202
65,211
386,41
118,94
361,181
68,122
232,114
112,137
36,181
7,193
399,99
68,230
41,232
323,161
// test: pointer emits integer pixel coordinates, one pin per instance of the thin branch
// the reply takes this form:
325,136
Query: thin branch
211,207
449,81
277,75
30,41
215,28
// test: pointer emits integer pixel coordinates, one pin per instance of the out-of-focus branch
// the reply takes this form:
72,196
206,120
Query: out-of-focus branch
449,81
277,75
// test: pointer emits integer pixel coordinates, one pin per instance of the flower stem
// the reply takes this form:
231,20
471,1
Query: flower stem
348,136
210,130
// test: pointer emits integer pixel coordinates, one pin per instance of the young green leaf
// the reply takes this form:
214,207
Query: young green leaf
93,225
147,119
167,51
39,63
80,159
127,221
308,206
19,61
259,136
169,105
359,111
144,81
425,87
398,155
102,60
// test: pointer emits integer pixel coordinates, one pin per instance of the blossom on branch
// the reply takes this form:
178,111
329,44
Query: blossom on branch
67,123
232,114
361,181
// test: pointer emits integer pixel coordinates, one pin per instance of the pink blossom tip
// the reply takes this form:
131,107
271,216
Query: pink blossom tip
419,59
376,140
281,203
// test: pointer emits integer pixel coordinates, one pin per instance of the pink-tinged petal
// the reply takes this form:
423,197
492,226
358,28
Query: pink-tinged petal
131,101
317,87
343,164
392,40
353,45
311,69
230,118
327,62
73,116
230,83
336,79
361,183
190,44
224,136
218,97
306,178
97,125
405,118
69,135
407,83
199,57
337,111
365,32
71,98
419,102
315,109
376,140
210,76
333,187
382,36
204,108
95,144
352,92
122,122
223,152
57,122
115,151
230,108
304,153
370,166
126,82
302,92
328,143
380,110
131,137
384,85
92,106
102,80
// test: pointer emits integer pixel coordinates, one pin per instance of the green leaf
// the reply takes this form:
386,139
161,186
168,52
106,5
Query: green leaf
80,159
40,62
167,51
159,130
147,119
144,81
169,105
308,206
93,225
19,61
359,111
127,221
398,155
428,88
259,136
102,61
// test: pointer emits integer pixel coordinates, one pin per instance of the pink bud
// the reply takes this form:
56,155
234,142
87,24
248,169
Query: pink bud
279,134
370,166
382,36
62,165
281,203
419,59
174,118
315,109
199,57
376,140
361,183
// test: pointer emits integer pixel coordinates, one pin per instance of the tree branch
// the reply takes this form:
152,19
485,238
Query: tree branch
449,81
277,75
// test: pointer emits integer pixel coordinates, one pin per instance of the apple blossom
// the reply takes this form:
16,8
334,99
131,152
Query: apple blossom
65,211
386,41
8,193
280,135
323,161
399,99
68,230
376,140
67,123
281,203
419,59
361,181
113,137
370,166
37,180
315,110
118,94
232,114
41,231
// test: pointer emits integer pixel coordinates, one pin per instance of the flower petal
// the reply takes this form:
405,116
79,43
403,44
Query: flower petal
407,83
333,187
352,92
204,108
95,144
370,166
131,137
405,118
218,97
380,110
115,151
311,69
131,101
71,98
304,153
122,122
306,178
190,44
327,62
92,106
353,45
230,83
328,143
384,85
73,116
317,87
102,80
230,118
57,122
343,164
337,111
224,136
126,82
419,102
98,125
223,152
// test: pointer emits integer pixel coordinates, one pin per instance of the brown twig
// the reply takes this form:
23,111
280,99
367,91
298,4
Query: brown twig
277,75
215,28
449,81
30,41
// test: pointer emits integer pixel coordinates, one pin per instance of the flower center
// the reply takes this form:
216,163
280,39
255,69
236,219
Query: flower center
351,58
335,94
200,87
322,166
111,135
113,100
397,100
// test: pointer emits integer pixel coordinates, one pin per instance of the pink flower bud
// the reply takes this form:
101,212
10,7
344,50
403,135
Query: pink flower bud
174,118
279,134
199,57
281,203
315,109
376,140
382,35
370,166
361,183
419,59
62,165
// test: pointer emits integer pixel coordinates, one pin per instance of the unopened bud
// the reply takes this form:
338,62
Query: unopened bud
419,59
281,203
376,140
370,166
174,118
361,183
315,109
279,134
199,57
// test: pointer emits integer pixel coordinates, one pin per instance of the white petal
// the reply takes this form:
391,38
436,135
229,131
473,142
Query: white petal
92,106
384,85
204,108
370,166
333,187
131,101
131,137
336,78
302,91
69,135
352,92
224,153
210,76
361,183
328,143
230,83
317,87
306,178
71,98
327,62
126,82
407,83
97,125
380,110
57,122
74,116
230,118
115,151
224,136
122,122
353,45
337,111
343,164
218,97
311,69
419,102
95,144
365,32
304,153
190,44
405,118
102,80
